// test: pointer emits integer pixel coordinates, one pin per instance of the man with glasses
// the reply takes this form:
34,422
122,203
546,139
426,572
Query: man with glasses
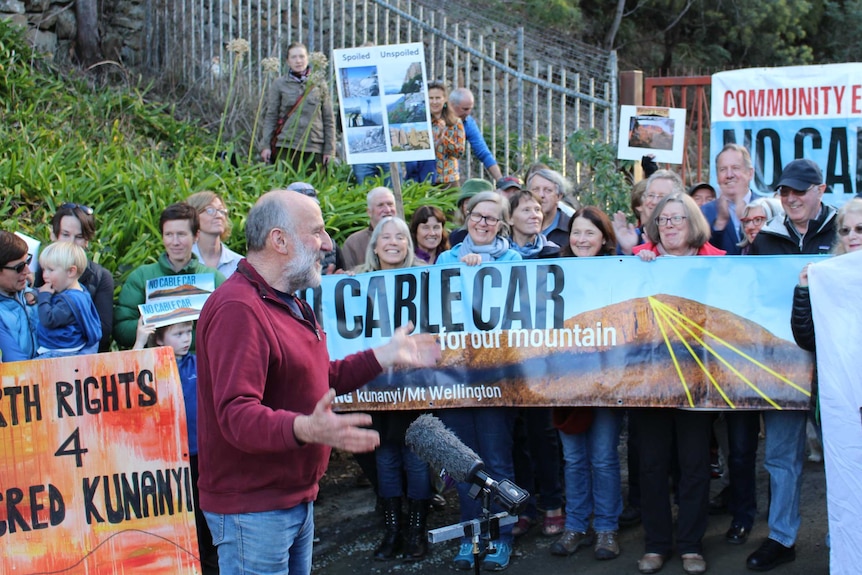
18,321
735,172
808,227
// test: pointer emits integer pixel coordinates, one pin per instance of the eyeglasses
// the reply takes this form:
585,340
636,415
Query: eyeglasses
784,191
490,220
19,267
675,220
654,197
757,221
211,211
845,231
86,209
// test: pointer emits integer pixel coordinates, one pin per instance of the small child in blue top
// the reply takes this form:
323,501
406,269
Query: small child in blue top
178,336
68,321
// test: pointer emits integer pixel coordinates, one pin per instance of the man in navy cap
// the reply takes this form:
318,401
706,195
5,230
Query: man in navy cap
808,227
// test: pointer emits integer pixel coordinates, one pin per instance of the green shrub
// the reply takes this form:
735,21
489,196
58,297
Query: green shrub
126,156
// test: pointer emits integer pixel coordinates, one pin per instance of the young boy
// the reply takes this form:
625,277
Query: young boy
68,321
178,336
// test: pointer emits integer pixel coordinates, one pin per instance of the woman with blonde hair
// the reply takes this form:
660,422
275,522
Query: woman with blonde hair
215,227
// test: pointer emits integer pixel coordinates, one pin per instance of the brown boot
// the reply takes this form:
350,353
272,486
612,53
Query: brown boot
392,540
417,529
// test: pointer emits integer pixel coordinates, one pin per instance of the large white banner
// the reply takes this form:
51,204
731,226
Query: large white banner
384,103
835,287
781,114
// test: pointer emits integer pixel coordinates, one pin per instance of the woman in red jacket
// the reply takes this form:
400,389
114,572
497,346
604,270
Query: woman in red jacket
676,227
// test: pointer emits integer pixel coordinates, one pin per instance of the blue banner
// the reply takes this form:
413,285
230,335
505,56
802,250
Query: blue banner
694,332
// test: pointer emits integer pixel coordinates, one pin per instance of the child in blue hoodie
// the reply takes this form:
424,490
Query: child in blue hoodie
178,336
68,321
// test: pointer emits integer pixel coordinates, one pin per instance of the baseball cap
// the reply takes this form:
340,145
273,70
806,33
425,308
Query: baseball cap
509,182
304,189
472,187
800,174
701,186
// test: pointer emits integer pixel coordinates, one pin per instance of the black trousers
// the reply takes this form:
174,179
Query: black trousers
692,430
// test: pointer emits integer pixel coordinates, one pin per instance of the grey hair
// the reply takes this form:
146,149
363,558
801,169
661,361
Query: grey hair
459,95
372,260
771,208
733,147
552,176
372,193
269,213
495,198
673,177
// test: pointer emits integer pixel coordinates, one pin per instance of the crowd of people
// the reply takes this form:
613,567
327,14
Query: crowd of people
260,416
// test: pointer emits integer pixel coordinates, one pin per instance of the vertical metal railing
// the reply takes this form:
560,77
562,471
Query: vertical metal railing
526,103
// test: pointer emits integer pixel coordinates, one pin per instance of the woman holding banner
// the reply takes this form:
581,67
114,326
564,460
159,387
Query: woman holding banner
391,247
487,430
676,228
536,453
590,436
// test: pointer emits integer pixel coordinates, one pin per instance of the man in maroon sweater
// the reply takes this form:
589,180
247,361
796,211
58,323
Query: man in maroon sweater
265,389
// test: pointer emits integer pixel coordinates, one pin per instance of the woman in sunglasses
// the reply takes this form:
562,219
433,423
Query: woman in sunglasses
18,321
76,223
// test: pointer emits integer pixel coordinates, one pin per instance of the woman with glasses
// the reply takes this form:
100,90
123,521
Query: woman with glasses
449,142
215,228
677,228
487,430
18,320
76,223
754,216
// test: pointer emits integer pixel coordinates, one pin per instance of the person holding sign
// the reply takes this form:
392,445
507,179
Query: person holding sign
487,430
178,225
677,228
18,321
265,420
449,142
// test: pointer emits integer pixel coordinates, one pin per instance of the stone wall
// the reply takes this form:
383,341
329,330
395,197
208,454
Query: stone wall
52,26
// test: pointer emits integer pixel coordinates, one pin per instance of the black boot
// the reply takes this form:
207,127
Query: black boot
392,539
417,529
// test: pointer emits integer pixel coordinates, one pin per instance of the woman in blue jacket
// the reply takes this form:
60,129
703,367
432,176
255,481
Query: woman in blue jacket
18,320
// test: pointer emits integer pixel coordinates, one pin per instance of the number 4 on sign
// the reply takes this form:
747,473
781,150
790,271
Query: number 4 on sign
72,446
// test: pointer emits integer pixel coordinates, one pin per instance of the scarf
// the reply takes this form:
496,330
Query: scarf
300,77
489,253
532,249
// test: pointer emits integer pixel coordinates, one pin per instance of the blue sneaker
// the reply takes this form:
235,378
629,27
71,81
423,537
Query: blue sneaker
499,559
464,558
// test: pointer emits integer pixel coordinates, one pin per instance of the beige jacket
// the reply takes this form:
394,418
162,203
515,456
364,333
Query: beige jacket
310,128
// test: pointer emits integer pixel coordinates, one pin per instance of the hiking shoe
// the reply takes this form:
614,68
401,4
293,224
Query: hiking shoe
499,559
464,558
607,546
571,541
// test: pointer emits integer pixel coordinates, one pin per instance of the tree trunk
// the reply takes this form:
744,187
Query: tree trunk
611,36
88,43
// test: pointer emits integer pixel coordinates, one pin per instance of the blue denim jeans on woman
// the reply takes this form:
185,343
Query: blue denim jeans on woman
592,473
264,543
394,460
487,431
783,458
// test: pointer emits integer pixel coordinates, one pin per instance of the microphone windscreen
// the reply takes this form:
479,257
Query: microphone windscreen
434,443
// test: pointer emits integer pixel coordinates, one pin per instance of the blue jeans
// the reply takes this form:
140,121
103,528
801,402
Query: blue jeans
783,458
742,431
264,543
421,171
592,468
488,432
364,172
393,461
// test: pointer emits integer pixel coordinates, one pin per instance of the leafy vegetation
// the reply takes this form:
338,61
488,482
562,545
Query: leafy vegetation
128,158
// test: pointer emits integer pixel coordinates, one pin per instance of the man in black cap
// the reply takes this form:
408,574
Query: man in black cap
807,228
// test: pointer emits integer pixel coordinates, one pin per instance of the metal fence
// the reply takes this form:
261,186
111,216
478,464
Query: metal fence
530,95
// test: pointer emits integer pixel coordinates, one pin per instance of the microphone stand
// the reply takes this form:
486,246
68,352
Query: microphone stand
485,528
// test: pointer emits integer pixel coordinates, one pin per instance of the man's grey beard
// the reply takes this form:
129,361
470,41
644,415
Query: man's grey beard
304,270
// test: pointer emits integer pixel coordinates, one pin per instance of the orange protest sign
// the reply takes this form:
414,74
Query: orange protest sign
94,466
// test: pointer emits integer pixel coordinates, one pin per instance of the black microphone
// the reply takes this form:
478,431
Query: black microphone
435,444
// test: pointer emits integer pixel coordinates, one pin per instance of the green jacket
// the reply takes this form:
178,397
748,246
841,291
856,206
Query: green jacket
134,293
311,127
